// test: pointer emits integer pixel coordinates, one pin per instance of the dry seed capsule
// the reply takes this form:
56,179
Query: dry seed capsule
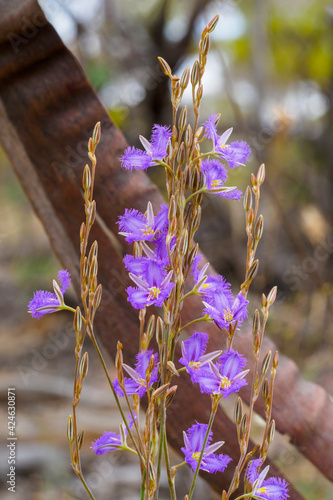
259,227
248,199
265,389
211,26
185,78
272,296
256,322
250,275
80,439
188,136
84,365
238,411
271,431
205,44
96,136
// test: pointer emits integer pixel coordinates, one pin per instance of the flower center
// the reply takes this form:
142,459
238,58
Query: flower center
196,455
147,231
228,315
153,292
263,489
194,364
224,383
206,285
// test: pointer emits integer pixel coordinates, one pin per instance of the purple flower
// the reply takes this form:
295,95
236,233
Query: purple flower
110,441
193,354
273,488
225,377
199,275
236,153
155,150
136,226
153,285
194,440
221,305
44,302
137,383
215,176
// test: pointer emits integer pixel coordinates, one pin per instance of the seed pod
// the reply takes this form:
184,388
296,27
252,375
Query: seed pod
165,66
160,391
151,327
199,93
263,301
82,231
183,244
188,136
92,252
243,425
181,154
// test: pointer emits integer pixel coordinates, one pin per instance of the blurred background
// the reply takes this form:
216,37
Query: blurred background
270,75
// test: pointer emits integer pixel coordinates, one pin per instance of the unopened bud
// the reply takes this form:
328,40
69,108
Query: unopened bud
84,365
82,231
250,275
160,391
97,297
151,327
70,429
275,360
184,79
271,431
183,244
238,411
165,66
205,45
253,180
172,368
58,293
182,122
181,154
261,174
272,296
159,331
243,425
256,322
195,73
265,389
188,136
96,136
80,439
211,27
266,363
170,395
86,180
248,199
263,301
199,92
259,227
77,323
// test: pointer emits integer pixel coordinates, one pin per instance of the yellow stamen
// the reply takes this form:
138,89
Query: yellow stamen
196,455
206,285
224,383
194,364
153,293
228,315
216,183
147,231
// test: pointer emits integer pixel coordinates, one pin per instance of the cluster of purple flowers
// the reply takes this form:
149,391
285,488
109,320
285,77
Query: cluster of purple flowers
225,376
137,382
111,441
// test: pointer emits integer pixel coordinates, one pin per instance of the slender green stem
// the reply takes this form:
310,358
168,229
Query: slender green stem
192,292
168,168
160,447
179,465
86,486
167,463
246,495
202,190
204,318
210,423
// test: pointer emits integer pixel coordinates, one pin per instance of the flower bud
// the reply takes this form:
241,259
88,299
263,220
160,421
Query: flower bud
165,66
96,136
86,180
195,73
